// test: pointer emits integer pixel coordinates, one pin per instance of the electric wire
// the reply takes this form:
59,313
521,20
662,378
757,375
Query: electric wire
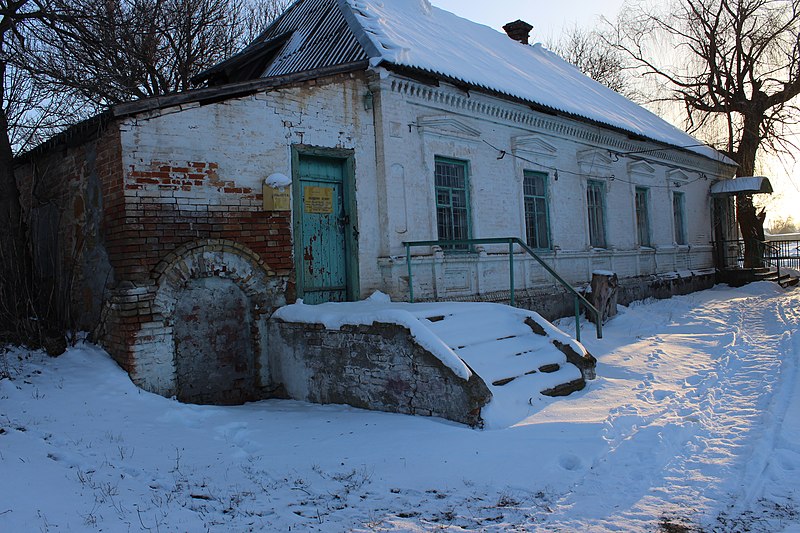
610,177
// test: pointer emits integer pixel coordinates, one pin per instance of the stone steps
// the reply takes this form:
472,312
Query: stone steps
459,329
784,280
739,277
514,358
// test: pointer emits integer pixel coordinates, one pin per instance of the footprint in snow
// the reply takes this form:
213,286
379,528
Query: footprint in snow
570,462
659,395
693,380
689,414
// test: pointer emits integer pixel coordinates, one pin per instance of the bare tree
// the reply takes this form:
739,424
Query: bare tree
15,272
595,56
735,67
35,112
119,50
62,60
783,225
256,15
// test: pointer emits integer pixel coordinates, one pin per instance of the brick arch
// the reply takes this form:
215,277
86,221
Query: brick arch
211,257
184,274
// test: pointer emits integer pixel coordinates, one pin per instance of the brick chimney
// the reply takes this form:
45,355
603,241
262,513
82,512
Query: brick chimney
519,30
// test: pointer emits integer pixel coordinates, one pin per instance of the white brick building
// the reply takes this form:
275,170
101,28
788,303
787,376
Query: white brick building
377,124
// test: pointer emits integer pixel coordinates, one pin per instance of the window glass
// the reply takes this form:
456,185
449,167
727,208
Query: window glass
452,201
642,217
537,220
679,214
596,203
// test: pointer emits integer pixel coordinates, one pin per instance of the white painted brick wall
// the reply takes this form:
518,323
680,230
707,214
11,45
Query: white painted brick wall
251,137
496,187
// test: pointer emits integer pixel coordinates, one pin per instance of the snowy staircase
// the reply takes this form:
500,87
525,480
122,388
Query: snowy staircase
518,355
736,277
478,363
784,280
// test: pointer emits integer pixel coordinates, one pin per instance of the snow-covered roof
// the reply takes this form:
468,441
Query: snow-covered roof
413,33
745,184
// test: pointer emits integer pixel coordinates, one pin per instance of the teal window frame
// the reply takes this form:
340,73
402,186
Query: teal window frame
537,210
453,210
596,212
679,217
642,201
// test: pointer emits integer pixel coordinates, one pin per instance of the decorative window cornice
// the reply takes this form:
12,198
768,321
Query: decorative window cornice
594,160
447,126
679,176
532,145
443,96
640,168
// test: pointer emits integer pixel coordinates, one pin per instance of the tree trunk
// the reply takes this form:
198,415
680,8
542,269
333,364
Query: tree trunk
604,295
751,224
15,264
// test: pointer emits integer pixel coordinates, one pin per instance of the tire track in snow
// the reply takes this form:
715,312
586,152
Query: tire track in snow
676,449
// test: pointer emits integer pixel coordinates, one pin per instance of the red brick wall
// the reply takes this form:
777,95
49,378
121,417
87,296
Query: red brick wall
158,209
171,203
66,193
109,164
128,220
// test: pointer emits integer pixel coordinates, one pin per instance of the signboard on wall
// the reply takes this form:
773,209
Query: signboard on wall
318,200
277,199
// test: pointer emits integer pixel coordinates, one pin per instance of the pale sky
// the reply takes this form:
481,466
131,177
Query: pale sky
549,17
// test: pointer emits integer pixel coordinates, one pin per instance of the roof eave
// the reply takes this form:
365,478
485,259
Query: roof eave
232,90
87,128
405,70
358,30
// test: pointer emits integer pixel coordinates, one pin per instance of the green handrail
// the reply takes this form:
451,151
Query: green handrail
511,241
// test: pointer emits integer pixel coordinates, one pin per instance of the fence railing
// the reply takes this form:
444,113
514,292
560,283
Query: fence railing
774,253
578,298
783,253
770,257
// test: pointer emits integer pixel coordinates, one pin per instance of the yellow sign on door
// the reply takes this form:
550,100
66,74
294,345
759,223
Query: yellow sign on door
318,200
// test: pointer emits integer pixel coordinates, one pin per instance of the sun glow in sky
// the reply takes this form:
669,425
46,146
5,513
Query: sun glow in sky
550,18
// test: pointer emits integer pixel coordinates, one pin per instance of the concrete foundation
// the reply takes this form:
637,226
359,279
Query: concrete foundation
378,367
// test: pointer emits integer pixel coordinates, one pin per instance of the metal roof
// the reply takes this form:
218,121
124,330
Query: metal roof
309,35
412,37
743,185
320,38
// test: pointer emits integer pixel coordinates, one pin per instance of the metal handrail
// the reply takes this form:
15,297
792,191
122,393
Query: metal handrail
780,253
511,241
786,252
777,252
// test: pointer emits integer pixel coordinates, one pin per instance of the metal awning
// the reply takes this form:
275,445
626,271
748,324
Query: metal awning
743,185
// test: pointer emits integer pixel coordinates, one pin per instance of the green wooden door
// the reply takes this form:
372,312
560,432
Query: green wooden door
323,222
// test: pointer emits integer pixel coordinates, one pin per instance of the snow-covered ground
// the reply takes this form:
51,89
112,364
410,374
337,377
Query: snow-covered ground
693,421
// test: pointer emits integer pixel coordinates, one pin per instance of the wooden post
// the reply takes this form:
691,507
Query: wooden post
604,294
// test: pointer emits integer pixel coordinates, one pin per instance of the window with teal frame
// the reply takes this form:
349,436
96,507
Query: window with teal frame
452,201
537,218
679,215
642,216
596,204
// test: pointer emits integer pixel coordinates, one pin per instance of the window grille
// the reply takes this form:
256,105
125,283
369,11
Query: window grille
596,203
679,215
642,216
452,201
537,220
